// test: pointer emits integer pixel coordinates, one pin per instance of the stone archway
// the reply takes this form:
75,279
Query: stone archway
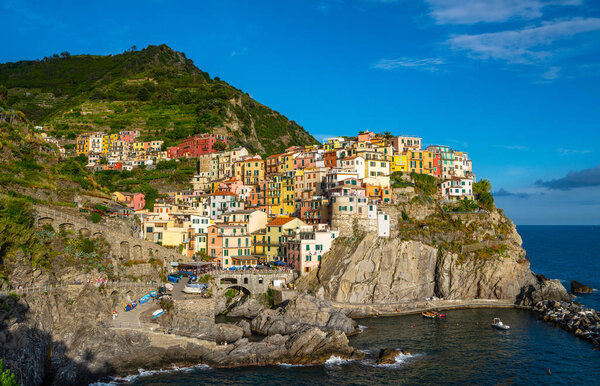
45,220
124,250
67,226
228,280
84,232
240,288
114,296
129,296
137,252
97,235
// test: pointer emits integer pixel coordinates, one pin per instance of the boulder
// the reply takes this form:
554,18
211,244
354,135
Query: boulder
228,333
548,290
248,307
387,356
579,288
305,310
245,325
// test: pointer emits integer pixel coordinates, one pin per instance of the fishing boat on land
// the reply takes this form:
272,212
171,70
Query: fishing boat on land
499,325
157,313
144,299
194,288
433,315
130,306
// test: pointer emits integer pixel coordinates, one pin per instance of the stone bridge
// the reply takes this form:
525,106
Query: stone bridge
124,243
251,282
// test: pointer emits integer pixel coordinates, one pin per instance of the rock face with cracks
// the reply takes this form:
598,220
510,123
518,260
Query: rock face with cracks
304,310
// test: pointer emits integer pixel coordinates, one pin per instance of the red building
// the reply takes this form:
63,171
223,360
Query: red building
331,159
437,165
199,144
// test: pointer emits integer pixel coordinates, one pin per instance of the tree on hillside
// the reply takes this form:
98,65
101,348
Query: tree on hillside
482,191
3,94
220,146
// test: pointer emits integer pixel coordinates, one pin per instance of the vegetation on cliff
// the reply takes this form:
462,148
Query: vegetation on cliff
156,90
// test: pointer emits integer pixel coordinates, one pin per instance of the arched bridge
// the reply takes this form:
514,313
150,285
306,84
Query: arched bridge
123,242
251,282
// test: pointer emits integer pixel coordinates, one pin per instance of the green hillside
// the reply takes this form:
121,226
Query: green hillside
156,90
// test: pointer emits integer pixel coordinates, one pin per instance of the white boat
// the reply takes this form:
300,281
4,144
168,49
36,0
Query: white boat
157,313
499,325
193,289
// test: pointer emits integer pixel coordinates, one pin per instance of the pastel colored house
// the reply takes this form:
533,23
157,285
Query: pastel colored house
304,248
135,201
276,229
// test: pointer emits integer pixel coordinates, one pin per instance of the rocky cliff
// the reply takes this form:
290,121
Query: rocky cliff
431,253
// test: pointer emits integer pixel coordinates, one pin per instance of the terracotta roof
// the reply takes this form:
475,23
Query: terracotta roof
221,193
274,156
280,221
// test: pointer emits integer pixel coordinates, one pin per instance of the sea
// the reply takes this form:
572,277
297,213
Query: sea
463,349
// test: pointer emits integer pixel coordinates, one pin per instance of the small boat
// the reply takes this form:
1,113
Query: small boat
144,299
130,306
499,325
157,313
433,315
153,294
193,289
169,287
173,278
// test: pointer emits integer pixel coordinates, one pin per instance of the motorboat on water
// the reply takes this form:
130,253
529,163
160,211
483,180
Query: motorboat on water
433,315
499,325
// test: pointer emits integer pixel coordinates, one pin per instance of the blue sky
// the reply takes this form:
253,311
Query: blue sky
513,82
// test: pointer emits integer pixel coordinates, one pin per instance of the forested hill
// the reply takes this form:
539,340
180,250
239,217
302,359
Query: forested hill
155,90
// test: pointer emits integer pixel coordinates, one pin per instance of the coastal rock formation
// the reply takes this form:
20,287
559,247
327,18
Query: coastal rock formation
228,333
247,307
65,337
302,311
544,290
579,288
307,345
384,271
387,356
582,322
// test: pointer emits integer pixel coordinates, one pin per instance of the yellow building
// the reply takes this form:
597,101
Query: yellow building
274,236
259,244
138,146
83,144
286,162
107,142
288,198
250,171
332,143
420,161
274,195
399,163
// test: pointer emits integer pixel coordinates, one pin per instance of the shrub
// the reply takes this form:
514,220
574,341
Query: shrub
482,190
7,378
96,217
427,184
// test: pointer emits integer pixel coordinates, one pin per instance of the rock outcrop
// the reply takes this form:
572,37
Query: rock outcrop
307,345
544,290
582,322
387,356
302,311
392,271
579,288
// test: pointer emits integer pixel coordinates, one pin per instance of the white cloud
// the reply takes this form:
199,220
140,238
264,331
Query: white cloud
552,73
564,151
489,11
527,45
428,64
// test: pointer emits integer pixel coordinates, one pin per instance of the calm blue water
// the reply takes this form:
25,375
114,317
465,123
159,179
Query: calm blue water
464,349
566,253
